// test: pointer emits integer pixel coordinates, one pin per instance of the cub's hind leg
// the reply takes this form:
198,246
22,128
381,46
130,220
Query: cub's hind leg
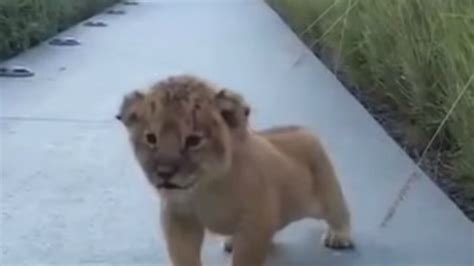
334,209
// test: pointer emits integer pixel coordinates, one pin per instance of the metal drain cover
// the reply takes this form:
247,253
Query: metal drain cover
67,41
115,12
95,24
15,72
130,3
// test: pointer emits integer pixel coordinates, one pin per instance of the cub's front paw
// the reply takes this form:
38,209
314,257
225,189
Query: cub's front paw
337,240
228,245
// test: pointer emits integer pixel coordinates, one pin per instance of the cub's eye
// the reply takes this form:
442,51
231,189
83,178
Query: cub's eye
192,141
150,138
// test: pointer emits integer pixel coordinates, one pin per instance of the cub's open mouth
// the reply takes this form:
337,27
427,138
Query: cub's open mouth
169,185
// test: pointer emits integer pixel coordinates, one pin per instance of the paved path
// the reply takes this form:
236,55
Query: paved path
71,192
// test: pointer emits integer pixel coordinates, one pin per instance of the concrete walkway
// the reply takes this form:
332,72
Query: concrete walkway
71,192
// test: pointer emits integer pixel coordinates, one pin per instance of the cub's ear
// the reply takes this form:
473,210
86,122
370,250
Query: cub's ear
128,111
233,108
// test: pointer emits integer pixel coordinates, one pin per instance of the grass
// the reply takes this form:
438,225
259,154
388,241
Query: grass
415,56
25,23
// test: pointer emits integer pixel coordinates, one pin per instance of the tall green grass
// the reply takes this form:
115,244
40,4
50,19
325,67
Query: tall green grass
414,55
24,23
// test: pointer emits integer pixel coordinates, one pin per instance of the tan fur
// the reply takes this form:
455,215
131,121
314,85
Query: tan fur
237,182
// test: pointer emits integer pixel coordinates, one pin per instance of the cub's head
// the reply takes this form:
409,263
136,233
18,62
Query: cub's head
183,129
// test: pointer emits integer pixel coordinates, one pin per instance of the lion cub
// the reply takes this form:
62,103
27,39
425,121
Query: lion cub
213,172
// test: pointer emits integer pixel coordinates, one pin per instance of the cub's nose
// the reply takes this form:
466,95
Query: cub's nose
166,172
